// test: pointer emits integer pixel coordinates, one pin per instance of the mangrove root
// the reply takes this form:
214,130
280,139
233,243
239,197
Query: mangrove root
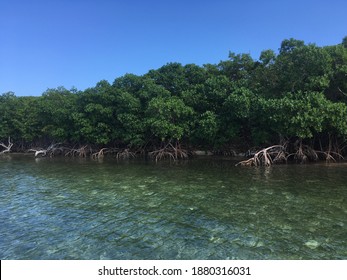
266,157
304,153
7,147
331,156
169,151
81,152
99,155
334,152
125,154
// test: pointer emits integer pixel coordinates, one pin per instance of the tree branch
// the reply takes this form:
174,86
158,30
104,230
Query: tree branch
345,94
50,150
7,147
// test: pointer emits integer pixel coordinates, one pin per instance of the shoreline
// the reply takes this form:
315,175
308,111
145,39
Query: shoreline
209,157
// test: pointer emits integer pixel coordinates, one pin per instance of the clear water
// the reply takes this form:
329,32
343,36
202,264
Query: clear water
200,209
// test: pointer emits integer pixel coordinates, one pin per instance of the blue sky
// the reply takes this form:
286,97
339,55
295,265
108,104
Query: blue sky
50,43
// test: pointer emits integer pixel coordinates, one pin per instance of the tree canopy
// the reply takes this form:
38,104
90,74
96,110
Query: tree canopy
297,93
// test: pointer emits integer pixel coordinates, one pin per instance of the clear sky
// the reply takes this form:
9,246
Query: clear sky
50,43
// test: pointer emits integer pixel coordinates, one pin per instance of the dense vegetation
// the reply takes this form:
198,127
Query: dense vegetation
296,97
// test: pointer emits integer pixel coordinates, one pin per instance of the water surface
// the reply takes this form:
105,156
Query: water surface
200,209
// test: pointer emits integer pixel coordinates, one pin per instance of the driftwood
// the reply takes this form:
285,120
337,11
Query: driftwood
7,147
50,151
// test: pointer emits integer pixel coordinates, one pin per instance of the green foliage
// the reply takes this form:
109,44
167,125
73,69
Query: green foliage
299,92
267,57
303,67
238,68
335,118
171,76
28,118
344,42
168,118
8,103
337,90
94,117
297,114
306,114
56,107
289,45
205,129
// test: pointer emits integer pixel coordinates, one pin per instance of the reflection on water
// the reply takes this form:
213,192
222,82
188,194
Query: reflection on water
200,209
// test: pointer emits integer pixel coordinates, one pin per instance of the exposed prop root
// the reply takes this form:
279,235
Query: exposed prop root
171,152
248,162
99,155
50,151
7,147
331,156
334,152
265,157
125,154
304,153
81,152
281,156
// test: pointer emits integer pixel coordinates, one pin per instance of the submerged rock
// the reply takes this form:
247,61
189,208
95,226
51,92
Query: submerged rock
312,244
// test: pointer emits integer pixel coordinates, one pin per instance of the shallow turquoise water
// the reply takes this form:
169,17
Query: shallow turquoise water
200,209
